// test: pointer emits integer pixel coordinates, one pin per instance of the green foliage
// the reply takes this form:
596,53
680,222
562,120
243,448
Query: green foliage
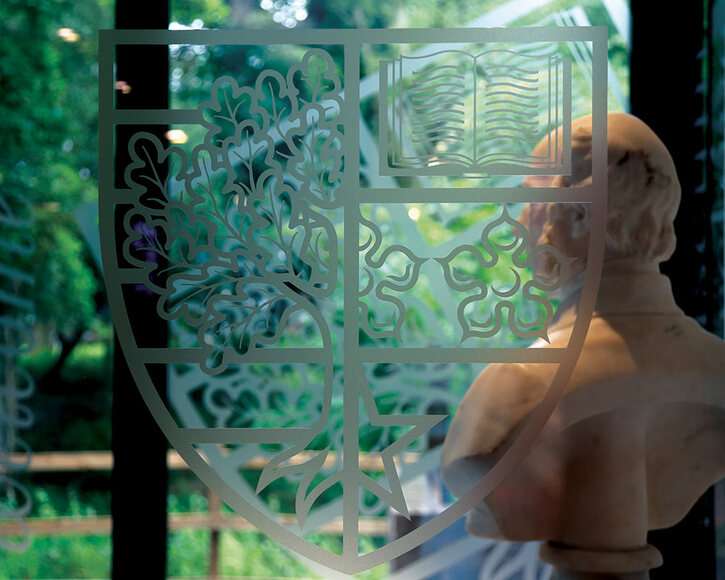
48,138
31,81
60,556
188,500
213,13
59,497
90,361
251,554
81,402
245,554
65,281
188,553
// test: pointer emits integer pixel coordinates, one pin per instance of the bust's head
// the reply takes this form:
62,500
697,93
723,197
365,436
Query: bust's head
643,194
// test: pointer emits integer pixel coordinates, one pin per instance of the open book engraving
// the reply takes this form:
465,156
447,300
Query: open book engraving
454,113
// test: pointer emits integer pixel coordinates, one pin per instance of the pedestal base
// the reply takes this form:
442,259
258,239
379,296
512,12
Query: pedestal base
577,564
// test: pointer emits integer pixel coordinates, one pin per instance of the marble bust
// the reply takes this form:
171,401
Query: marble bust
640,433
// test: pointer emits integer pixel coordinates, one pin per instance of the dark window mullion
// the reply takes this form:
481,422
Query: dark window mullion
668,94
139,478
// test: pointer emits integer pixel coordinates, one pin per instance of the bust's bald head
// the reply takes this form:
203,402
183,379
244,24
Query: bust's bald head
643,193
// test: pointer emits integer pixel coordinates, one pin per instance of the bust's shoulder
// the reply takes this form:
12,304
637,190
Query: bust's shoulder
497,401
709,345
494,405
668,343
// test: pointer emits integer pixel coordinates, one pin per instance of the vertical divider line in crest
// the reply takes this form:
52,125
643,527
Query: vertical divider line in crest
566,116
351,182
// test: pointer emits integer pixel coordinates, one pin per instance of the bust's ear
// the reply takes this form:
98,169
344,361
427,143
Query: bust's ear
568,222
579,219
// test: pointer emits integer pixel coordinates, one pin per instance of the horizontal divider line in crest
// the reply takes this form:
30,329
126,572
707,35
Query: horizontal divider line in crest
476,195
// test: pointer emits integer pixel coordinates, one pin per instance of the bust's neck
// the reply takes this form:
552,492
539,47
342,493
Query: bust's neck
628,286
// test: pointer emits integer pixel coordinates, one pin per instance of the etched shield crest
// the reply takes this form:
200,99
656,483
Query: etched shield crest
336,254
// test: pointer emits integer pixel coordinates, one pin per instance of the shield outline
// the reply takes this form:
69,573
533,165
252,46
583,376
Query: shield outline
182,439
